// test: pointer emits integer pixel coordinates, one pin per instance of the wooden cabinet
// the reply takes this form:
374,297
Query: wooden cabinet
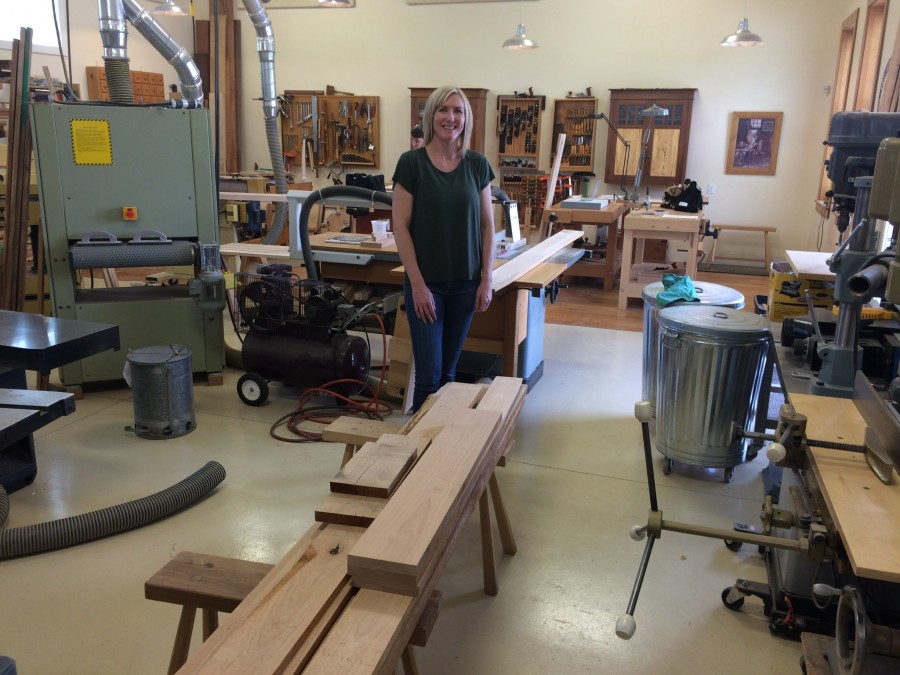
147,87
570,117
667,137
477,99
347,127
519,131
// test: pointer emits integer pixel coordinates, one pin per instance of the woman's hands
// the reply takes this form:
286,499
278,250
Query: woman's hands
423,302
483,295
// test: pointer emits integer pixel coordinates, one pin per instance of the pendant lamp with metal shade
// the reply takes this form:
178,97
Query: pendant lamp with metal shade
744,37
520,41
168,8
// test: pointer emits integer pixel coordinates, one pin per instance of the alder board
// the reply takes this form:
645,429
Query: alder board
378,467
354,510
357,430
400,545
510,271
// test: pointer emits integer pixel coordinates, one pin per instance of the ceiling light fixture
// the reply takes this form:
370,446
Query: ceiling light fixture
520,40
743,37
334,3
169,8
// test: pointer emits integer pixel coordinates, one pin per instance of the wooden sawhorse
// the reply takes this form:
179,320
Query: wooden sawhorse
765,229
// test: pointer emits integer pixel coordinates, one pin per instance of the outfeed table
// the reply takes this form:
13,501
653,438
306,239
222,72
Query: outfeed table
649,225
610,216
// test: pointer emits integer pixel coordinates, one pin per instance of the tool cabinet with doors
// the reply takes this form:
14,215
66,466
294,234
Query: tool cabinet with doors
477,99
343,128
519,131
666,152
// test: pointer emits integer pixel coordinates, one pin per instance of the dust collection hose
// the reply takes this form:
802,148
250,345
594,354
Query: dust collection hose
56,534
333,191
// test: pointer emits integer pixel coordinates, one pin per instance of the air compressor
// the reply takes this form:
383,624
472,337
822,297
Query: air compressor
295,331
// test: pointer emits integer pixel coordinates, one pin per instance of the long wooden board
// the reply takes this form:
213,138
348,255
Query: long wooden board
400,545
295,597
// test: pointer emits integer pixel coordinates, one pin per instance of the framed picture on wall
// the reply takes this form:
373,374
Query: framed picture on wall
753,143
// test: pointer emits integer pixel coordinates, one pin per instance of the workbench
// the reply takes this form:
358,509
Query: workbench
671,226
514,311
610,216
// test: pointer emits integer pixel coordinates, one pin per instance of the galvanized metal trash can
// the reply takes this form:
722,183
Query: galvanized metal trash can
712,363
162,383
709,294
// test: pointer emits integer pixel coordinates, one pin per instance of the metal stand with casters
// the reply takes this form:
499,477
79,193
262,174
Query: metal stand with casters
811,540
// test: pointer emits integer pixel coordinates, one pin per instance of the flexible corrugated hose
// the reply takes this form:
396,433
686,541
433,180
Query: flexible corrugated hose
56,534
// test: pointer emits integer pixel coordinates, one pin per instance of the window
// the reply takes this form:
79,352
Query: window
841,85
37,15
870,55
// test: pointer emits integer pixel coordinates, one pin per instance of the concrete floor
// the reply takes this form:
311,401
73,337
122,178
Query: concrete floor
575,485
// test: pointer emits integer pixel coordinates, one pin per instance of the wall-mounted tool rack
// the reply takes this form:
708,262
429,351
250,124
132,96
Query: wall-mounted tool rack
299,117
519,131
346,126
530,190
570,117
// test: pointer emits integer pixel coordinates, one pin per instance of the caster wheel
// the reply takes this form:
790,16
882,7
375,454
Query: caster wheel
253,389
732,545
733,606
667,466
729,474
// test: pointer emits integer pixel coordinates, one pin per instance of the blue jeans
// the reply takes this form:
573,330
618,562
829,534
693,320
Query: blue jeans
437,346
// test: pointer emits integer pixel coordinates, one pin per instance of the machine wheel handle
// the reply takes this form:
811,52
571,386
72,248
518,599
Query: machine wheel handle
253,389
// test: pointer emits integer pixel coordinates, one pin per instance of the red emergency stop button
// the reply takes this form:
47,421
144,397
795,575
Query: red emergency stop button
129,213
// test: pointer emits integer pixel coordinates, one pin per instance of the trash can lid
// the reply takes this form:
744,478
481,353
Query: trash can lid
712,320
158,354
709,293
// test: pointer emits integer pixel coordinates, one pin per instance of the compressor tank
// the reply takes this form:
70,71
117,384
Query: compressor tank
308,362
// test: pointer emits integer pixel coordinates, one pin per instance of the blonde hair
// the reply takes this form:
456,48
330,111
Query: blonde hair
436,100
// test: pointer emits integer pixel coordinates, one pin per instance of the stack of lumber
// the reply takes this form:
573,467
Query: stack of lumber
13,262
347,598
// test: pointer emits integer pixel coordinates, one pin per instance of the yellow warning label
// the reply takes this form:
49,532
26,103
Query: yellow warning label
91,142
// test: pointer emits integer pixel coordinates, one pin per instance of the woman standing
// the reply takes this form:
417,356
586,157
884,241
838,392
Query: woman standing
444,229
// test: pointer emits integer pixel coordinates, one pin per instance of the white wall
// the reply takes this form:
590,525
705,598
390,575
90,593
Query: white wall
382,47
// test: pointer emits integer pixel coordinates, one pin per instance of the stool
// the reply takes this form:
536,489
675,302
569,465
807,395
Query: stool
742,228
217,584
211,583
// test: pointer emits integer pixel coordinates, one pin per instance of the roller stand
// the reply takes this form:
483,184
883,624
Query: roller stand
625,625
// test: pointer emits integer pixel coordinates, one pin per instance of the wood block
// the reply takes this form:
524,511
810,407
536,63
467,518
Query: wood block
357,430
377,468
413,528
356,510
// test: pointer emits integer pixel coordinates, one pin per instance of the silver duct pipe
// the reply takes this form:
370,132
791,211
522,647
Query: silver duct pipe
265,47
114,35
181,61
